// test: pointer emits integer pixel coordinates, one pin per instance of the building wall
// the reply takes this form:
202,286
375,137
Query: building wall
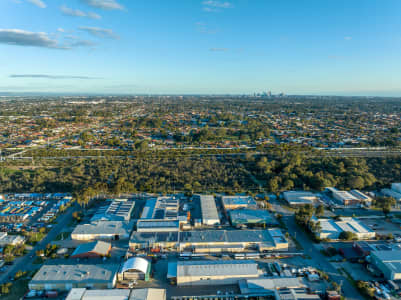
210,280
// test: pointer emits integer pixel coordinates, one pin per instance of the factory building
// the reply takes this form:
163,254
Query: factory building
161,208
331,229
103,230
389,262
237,202
117,294
209,212
66,277
156,241
362,197
92,250
396,187
211,272
148,225
392,193
135,268
211,241
13,240
344,197
118,210
295,198
251,217
271,286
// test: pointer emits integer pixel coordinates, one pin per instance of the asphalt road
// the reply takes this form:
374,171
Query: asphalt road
25,263
319,260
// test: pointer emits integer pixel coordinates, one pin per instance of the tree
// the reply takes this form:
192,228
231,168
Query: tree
319,210
347,236
385,203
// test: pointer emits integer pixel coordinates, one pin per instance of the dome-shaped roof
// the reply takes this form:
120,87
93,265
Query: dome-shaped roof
135,263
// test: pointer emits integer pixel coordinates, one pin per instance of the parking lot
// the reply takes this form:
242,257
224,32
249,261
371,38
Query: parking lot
381,226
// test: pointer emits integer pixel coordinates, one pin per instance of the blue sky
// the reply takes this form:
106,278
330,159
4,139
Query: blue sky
344,47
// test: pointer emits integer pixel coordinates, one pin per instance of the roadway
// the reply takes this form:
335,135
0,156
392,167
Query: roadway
318,260
24,263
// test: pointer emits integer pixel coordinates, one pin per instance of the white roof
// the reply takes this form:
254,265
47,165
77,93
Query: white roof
135,263
299,197
217,268
148,294
208,207
115,294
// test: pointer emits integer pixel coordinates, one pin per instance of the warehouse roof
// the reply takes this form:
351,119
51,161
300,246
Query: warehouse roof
154,223
117,294
98,247
238,200
114,294
255,285
135,263
102,273
344,224
148,294
104,228
245,216
299,197
217,268
208,208
117,210
270,236
153,237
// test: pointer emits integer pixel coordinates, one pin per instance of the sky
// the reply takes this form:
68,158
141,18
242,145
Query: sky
330,47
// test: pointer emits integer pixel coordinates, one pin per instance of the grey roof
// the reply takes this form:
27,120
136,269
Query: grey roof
155,223
135,263
117,294
244,216
118,210
387,256
228,236
99,247
114,294
104,228
238,200
208,208
153,237
217,268
62,274
391,259
258,284
148,294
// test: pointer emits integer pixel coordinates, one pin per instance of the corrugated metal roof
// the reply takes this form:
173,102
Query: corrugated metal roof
135,263
217,268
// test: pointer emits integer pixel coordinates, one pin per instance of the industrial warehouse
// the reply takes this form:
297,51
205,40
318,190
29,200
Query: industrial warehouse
208,241
331,229
388,262
211,272
103,230
65,277
117,294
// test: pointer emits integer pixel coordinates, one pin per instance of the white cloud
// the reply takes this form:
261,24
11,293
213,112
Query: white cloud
19,37
99,32
78,13
46,76
104,4
60,29
218,49
215,5
38,3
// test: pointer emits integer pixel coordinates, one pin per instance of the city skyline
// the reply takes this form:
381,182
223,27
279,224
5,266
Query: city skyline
200,47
